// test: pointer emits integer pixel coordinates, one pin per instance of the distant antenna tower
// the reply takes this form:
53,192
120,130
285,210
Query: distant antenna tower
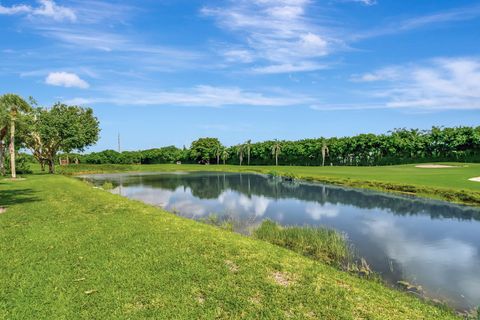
119,149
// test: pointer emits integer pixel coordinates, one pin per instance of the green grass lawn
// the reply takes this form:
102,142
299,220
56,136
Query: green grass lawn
449,184
69,251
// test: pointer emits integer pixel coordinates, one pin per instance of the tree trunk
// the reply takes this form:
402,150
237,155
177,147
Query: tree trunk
51,166
276,159
3,135
223,161
218,159
2,157
12,149
42,165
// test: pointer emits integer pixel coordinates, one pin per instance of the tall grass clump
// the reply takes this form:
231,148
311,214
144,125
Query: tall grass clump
107,185
319,243
214,220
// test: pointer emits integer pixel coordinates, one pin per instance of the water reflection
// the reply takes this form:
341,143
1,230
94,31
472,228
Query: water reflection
431,243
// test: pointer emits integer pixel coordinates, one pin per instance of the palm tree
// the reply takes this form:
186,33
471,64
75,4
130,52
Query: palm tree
224,155
324,152
248,146
3,135
218,152
241,152
14,105
276,149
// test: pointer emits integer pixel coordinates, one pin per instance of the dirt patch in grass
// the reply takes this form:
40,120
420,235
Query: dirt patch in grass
282,278
434,166
3,210
231,266
342,284
256,299
201,299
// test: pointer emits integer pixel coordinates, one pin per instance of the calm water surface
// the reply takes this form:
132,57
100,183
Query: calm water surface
429,243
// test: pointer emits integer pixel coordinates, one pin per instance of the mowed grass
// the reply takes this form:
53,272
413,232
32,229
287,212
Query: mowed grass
449,184
69,251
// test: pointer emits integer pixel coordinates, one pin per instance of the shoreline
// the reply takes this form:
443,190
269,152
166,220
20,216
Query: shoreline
456,196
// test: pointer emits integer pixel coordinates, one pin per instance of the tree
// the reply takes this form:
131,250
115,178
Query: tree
14,106
32,138
240,152
324,152
218,152
3,136
203,149
62,128
170,154
276,149
224,155
248,147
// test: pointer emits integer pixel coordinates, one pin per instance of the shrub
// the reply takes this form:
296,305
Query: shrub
22,164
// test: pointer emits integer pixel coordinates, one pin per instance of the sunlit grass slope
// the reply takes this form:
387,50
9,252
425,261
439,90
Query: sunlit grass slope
69,251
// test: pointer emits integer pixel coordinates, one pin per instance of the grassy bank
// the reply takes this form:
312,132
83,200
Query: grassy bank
70,251
450,184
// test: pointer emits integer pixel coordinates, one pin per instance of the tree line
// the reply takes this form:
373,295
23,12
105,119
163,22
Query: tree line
45,132
400,146
61,130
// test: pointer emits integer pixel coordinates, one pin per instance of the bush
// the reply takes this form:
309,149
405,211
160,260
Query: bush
22,163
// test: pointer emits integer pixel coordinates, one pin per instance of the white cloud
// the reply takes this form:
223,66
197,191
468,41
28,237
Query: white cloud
86,39
122,48
278,34
239,55
434,85
388,73
447,84
365,2
49,8
66,79
439,84
15,9
100,11
46,8
456,14
289,68
202,95
347,106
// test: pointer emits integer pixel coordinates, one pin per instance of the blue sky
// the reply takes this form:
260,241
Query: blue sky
169,71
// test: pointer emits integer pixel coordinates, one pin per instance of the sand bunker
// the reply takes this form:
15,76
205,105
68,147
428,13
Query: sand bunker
3,210
476,179
434,166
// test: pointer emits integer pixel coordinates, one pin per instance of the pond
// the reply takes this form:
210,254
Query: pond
429,243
